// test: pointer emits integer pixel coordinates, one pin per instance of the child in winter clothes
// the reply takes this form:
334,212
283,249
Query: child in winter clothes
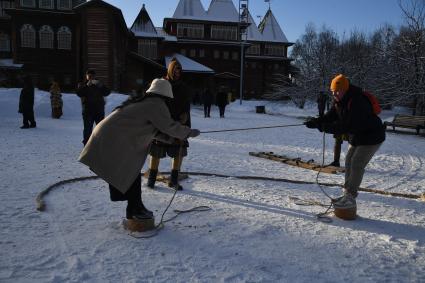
56,100
352,114
117,149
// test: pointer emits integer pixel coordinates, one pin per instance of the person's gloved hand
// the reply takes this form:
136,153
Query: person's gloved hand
194,133
312,123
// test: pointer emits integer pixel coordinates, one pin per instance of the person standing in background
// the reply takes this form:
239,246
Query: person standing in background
26,104
92,93
56,100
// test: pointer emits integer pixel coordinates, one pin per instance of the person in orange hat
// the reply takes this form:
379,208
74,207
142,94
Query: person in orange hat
352,114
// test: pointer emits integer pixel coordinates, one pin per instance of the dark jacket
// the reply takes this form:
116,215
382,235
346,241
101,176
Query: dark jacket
26,99
92,98
354,116
221,98
180,104
207,97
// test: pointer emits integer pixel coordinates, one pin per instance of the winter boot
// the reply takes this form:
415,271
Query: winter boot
174,180
139,212
335,164
152,178
347,201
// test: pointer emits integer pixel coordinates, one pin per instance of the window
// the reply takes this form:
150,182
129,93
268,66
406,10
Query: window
274,50
46,37
64,38
253,65
190,30
216,54
46,4
28,36
147,48
192,53
5,5
201,53
226,55
224,32
183,52
64,5
4,42
235,55
28,3
253,49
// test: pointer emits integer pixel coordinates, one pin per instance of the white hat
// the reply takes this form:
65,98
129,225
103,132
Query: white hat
161,87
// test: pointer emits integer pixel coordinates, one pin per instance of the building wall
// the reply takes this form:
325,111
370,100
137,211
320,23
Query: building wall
45,63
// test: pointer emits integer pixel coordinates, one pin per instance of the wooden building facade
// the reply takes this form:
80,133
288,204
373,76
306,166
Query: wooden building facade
61,39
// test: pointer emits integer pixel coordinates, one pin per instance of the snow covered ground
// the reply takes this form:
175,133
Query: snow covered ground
254,232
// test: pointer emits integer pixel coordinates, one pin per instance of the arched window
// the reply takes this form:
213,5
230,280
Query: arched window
4,42
64,38
28,36
64,5
46,4
46,37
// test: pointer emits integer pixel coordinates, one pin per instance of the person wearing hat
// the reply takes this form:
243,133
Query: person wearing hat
352,114
179,108
92,93
118,147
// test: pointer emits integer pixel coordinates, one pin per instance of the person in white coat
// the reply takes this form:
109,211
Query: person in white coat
117,149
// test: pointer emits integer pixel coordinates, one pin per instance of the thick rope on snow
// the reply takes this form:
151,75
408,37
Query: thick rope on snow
41,205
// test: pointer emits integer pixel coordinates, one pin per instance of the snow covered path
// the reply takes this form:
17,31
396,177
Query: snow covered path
253,233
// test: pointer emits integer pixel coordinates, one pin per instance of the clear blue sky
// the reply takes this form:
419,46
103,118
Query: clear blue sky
292,15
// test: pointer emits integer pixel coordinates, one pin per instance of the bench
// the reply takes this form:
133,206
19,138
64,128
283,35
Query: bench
407,121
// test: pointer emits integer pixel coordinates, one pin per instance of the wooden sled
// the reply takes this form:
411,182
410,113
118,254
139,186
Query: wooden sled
139,225
310,164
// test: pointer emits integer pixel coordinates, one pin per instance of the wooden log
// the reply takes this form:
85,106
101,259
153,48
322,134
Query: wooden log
139,225
346,213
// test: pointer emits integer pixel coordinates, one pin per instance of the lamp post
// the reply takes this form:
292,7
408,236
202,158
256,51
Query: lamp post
243,24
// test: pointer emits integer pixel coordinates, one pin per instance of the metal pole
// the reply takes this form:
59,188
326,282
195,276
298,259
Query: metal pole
241,75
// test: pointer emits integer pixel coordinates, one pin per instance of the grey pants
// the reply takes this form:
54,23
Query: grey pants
355,163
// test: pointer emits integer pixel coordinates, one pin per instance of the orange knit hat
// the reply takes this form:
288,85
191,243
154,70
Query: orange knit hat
340,83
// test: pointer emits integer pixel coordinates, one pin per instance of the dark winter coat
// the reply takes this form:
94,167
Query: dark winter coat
207,97
26,99
221,99
92,98
180,104
354,116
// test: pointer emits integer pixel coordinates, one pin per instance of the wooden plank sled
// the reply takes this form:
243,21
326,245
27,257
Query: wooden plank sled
310,164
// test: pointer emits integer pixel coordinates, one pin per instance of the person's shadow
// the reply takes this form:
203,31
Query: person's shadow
391,229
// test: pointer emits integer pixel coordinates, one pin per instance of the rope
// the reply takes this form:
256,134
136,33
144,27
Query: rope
161,224
249,129
41,206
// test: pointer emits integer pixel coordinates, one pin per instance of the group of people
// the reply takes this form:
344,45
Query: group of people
222,100
26,102
157,122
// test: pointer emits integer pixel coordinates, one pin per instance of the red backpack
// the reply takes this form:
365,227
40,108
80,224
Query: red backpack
373,101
